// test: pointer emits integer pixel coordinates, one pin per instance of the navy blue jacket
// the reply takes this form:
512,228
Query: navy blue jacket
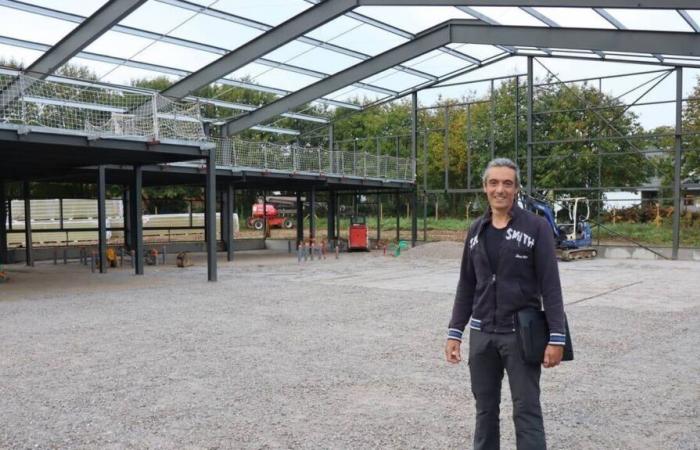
527,276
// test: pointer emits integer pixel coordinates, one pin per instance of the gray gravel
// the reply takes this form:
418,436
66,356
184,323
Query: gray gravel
333,354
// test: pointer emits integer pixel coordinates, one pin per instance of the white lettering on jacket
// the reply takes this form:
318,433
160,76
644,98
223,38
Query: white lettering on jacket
473,241
520,237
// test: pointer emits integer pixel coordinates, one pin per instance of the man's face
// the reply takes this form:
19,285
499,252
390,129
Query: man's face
500,187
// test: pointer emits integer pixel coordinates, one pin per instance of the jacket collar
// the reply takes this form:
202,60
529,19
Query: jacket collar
514,213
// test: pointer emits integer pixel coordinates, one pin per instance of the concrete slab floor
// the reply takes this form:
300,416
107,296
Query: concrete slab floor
340,353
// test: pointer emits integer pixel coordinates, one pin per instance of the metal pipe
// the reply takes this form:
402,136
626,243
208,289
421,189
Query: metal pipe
27,223
677,164
136,220
530,181
210,211
101,219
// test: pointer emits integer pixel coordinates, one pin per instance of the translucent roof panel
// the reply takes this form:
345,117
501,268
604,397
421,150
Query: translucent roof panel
357,36
437,63
110,73
576,17
394,80
352,93
164,54
33,27
217,32
168,17
272,12
694,14
118,44
283,79
413,18
648,19
80,7
311,57
509,16
478,51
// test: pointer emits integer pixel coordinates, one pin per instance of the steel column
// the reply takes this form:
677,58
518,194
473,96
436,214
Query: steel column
469,145
398,217
26,191
530,181
414,153
300,219
3,224
331,216
517,119
126,213
331,145
492,119
312,214
230,208
678,155
210,211
101,219
379,217
136,214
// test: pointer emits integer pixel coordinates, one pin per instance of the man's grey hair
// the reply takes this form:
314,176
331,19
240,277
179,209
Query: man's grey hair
502,162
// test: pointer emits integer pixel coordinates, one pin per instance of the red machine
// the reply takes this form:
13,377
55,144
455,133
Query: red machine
274,220
358,237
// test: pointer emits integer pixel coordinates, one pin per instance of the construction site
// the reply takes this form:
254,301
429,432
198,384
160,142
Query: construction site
240,224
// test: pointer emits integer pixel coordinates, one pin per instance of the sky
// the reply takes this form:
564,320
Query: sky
160,17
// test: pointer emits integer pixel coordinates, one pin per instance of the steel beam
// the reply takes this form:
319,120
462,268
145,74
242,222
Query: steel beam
267,42
412,49
677,160
210,211
93,27
163,69
633,4
101,219
461,31
136,214
3,224
26,192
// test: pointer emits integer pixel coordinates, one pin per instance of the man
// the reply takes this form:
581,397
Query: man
509,263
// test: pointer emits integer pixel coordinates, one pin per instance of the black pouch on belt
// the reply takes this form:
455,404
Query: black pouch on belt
533,335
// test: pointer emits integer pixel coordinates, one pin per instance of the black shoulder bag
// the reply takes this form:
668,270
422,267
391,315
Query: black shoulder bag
533,336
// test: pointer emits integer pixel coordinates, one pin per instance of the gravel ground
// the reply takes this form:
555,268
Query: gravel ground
335,354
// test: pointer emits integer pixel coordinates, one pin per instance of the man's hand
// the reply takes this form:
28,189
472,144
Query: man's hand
552,356
452,351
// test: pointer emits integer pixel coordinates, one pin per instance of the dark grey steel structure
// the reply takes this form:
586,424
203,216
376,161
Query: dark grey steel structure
39,155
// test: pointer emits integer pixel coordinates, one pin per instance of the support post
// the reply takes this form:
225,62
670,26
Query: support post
126,211
210,198
530,181
414,152
331,144
398,217
300,219
446,156
492,119
101,219
331,216
230,208
136,214
517,117
27,223
312,214
677,164
379,217
469,146
3,224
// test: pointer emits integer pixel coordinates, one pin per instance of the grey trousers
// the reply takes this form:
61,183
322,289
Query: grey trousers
489,355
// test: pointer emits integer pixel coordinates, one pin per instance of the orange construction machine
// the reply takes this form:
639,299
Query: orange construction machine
358,237
274,220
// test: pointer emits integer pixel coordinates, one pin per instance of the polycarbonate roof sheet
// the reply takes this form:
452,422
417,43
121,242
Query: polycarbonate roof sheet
26,26
436,62
283,79
394,80
219,32
272,12
413,18
164,54
168,17
506,15
80,7
358,36
127,47
478,51
648,19
576,17
24,56
311,57
352,93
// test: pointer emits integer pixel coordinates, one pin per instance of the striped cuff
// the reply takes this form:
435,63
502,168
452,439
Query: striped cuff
557,339
475,324
454,333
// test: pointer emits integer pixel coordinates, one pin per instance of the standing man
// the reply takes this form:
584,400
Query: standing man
509,263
